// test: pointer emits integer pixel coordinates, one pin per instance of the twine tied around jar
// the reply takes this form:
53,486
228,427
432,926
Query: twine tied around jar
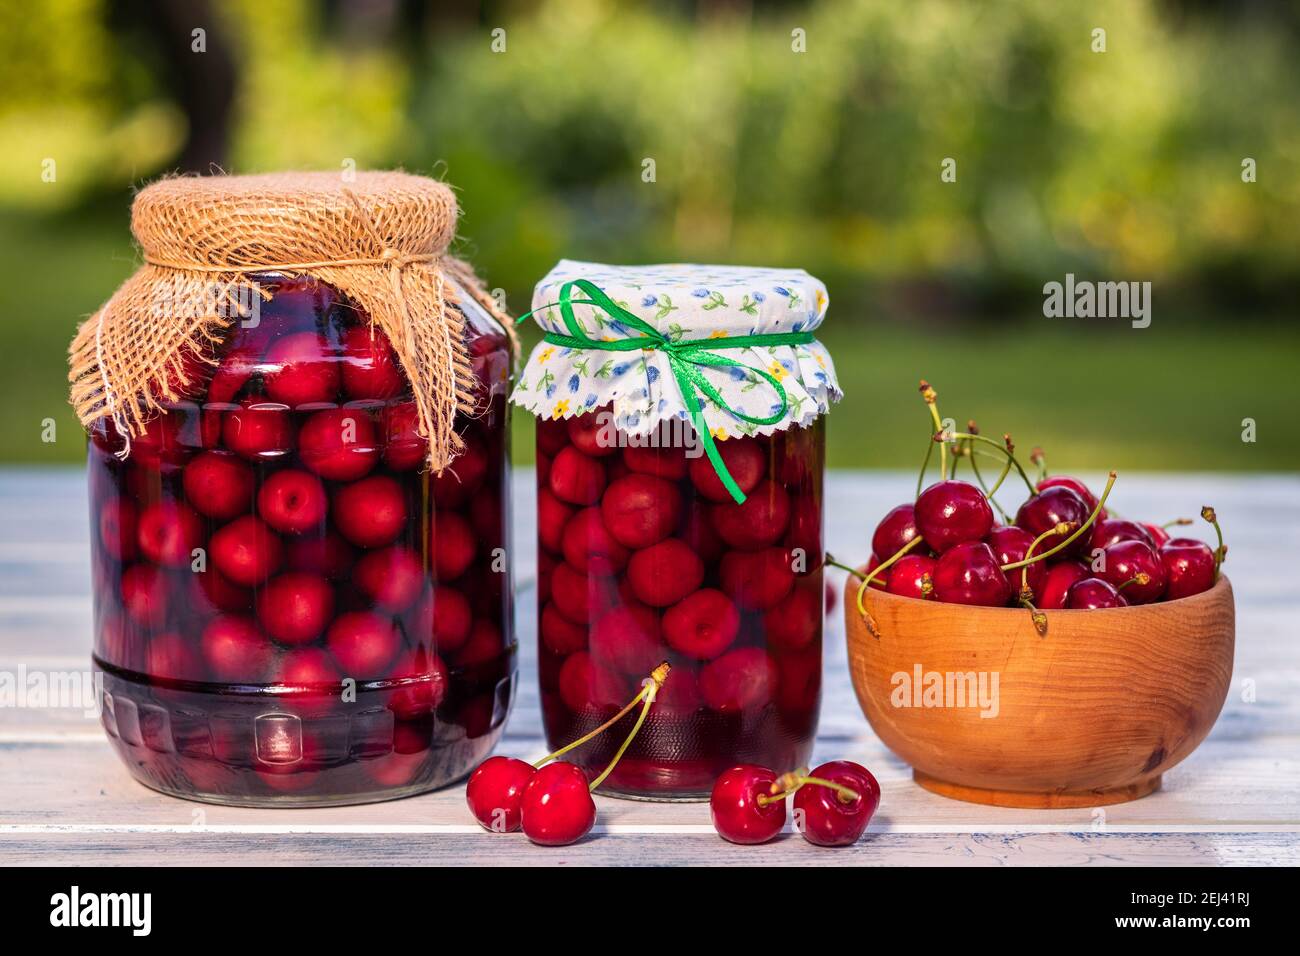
380,238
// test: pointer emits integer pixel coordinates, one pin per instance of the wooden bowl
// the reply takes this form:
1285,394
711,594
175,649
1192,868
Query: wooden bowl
1089,714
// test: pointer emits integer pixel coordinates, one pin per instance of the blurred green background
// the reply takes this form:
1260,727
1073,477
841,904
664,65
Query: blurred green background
1123,165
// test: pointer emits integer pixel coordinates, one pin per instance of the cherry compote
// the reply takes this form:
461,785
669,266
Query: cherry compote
644,557
290,608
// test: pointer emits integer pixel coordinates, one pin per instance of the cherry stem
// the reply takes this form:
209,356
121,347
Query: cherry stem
649,690
830,561
1177,523
788,783
866,581
846,794
1037,457
1140,578
1035,615
603,727
975,466
1011,457
1221,552
925,463
1110,483
931,400
1061,528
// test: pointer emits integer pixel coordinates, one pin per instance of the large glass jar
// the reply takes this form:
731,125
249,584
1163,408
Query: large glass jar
289,608
644,557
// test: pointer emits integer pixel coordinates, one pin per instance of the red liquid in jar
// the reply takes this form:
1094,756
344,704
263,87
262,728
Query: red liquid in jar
289,608
644,557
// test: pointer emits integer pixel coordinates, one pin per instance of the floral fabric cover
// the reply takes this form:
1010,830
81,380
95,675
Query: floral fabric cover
684,302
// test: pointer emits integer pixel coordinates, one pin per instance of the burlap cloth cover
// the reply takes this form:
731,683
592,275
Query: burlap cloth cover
379,238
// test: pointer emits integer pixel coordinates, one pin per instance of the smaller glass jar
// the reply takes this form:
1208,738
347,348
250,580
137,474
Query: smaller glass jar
649,550
643,557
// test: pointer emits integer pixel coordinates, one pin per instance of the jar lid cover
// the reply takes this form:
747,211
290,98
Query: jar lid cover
775,375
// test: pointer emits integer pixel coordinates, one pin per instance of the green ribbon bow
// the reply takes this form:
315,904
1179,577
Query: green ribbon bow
684,358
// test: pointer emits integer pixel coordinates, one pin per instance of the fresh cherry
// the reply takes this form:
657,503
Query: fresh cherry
742,807
829,817
1053,506
1189,567
912,576
556,808
1075,485
969,573
1010,545
495,793
1114,530
895,530
1059,578
952,512
1127,560
1091,594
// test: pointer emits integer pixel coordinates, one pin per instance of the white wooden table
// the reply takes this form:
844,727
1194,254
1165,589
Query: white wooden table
64,798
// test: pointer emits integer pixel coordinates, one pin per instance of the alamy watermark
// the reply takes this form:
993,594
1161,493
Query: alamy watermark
44,690
233,301
922,688
669,433
1083,299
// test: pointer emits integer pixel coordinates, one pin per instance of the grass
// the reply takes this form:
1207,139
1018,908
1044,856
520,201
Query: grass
1095,394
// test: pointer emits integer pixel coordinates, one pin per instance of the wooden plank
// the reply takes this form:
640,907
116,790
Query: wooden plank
1217,787
199,848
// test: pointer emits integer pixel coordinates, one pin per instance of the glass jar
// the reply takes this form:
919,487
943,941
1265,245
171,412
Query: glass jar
644,557
289,608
